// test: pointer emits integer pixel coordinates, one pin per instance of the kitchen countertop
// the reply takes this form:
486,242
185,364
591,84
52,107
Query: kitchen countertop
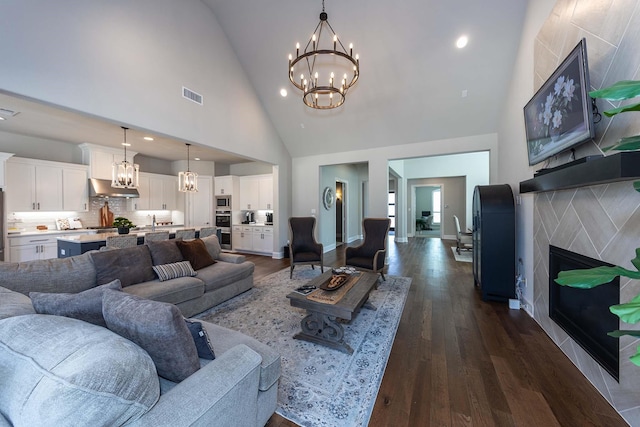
11,234
90,238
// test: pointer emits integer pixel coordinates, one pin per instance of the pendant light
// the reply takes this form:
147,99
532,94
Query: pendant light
124,174
188,181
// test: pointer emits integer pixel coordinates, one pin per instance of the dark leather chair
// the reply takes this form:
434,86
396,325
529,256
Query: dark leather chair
303,248
371,253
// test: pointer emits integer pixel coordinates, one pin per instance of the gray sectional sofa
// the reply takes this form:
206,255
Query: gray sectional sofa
58,370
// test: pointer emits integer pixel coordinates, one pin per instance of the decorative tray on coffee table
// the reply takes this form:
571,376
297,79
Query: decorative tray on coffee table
339,277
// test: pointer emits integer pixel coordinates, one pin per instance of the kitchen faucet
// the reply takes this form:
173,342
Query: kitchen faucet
153,223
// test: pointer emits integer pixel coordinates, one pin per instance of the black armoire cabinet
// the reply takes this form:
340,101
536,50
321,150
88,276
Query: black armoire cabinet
494,241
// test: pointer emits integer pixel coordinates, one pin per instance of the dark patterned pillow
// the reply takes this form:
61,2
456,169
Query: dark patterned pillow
164,252
85,305
174,270
195,252
201,340
157,327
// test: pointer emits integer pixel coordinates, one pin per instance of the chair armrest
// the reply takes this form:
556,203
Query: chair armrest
223,392
232,258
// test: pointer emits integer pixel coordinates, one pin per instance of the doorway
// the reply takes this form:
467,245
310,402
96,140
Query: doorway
341,191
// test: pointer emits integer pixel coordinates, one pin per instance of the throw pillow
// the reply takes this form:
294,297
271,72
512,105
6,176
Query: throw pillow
85,305
157,327
213,246
164,252
201,340
195,252
130,265
62,224
174,270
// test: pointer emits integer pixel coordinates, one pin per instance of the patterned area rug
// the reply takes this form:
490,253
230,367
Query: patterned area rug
464,256
319,386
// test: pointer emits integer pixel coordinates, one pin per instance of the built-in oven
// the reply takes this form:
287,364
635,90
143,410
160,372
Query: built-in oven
223,219
224,237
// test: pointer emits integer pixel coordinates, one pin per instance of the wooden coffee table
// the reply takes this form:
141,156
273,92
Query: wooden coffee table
321,325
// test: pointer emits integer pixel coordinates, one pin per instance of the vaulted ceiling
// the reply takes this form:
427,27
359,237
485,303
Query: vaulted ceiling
410,88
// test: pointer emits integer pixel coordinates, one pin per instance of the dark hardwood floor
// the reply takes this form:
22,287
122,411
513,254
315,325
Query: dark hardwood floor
459,361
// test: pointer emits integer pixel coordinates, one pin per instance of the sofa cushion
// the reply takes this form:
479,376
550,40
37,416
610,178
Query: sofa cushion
222,274
201,340
60,371
158,328
14,303
224,339
72,274
85,305
130,265
173,291
195,252
213,246
164,252
174,270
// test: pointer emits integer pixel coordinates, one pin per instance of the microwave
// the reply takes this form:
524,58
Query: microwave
223,202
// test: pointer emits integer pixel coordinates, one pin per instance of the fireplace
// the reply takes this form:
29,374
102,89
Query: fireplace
584,313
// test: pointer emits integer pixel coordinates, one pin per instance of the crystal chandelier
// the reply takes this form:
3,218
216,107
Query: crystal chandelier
320,66
124,174
188,181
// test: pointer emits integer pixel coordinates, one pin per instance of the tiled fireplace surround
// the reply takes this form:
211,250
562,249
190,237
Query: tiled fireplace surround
602,222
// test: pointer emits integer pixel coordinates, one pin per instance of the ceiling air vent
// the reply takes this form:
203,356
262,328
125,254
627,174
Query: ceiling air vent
191,95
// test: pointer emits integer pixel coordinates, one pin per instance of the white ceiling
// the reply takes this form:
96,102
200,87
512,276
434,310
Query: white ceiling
410,86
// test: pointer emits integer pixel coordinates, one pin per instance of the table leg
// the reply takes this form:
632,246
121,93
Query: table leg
322,329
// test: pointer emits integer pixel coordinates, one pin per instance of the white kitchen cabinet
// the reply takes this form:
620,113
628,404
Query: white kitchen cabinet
33,185
157,192
29,248
226,185
100,159
262,239
256,192
75,189
242,238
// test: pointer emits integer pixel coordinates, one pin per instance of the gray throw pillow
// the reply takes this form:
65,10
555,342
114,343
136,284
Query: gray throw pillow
201,340
213,246
164,252
85,305
130,265
157,327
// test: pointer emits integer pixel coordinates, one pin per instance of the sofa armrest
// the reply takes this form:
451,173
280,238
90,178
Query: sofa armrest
232,258
222,393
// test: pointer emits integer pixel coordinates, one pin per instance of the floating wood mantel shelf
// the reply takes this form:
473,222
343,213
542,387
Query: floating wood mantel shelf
617,167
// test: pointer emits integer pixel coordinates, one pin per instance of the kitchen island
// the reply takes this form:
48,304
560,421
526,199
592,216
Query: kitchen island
71,245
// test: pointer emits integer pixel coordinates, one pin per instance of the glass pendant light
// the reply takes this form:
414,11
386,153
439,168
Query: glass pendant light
124,174
188,181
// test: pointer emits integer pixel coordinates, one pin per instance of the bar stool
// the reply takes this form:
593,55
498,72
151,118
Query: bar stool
186,233
155,236
207,231
121,242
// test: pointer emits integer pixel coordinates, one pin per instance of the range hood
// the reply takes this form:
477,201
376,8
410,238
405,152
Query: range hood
103,188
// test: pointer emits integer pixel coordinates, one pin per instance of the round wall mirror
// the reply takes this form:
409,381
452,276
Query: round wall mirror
328,198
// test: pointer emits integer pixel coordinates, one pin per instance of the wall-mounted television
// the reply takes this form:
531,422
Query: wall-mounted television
560,116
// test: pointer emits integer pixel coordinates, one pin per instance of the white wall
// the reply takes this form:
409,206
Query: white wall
126,62
306,186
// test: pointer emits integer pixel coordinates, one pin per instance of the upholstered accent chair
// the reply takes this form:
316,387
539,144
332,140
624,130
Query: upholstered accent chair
463,240
186,233
121,242
155,236
207,231
371,253
303,248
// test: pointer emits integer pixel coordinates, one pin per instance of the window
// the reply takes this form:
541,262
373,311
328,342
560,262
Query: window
436,206
391,210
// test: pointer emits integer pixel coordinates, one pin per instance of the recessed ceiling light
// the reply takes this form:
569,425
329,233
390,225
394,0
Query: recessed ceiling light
196,158
462,42
2,118
126,144
283,92
148,138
